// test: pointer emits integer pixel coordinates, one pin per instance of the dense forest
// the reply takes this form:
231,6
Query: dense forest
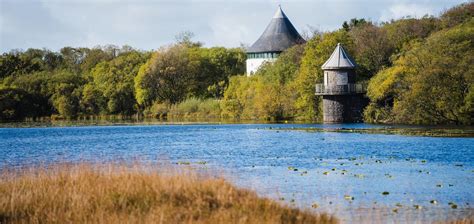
419,71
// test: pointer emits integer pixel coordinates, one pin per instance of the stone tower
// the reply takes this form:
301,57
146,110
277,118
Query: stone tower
279,35
343,99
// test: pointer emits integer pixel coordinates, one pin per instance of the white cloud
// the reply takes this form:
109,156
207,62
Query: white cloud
149,24
400,10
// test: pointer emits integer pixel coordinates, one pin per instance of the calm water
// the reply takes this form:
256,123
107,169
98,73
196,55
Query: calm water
331,167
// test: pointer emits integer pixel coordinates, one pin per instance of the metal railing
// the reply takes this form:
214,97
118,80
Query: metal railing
322,89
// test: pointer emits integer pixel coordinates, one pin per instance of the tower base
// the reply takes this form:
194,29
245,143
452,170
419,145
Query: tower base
343,108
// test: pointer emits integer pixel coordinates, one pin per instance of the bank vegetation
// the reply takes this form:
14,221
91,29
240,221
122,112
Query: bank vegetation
418,70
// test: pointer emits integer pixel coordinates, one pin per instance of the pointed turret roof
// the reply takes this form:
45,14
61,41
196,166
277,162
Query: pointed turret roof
339,59
279,35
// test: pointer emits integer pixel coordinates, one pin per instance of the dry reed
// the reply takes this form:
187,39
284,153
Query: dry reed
134,194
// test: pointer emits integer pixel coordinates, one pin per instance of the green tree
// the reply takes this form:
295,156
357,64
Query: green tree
238,98
166,77
17,104
182,71
10,63
353,23
93,101
372,48
431,83
267,95
115,79
401,32
458,14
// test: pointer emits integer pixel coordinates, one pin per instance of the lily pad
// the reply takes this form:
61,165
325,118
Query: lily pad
292,168
385,193
348,197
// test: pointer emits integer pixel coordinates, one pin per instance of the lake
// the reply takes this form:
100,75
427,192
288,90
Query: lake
424,178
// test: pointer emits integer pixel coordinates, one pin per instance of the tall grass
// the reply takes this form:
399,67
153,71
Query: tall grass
138,194
196,108
192,108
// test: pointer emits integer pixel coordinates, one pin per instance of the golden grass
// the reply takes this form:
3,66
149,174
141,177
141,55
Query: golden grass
137,194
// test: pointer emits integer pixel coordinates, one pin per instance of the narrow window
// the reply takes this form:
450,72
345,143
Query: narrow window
326,78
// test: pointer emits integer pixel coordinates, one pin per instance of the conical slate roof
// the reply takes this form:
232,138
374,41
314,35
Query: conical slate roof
339,59
279,35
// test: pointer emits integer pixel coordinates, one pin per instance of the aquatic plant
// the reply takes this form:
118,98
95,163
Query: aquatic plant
348,197
429,132
453,205
292,168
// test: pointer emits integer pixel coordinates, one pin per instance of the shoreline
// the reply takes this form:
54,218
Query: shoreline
387,129
409,131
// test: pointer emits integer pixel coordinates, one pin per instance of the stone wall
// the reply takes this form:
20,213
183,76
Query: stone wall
338,77
343,108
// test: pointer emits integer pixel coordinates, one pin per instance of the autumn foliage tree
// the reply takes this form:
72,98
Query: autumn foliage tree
431,83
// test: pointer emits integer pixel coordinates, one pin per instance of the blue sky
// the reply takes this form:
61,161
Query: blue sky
150,24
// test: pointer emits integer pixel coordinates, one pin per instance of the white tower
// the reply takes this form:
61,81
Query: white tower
279,35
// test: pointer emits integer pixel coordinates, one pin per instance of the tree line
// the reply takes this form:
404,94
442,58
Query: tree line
110,80
419,71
